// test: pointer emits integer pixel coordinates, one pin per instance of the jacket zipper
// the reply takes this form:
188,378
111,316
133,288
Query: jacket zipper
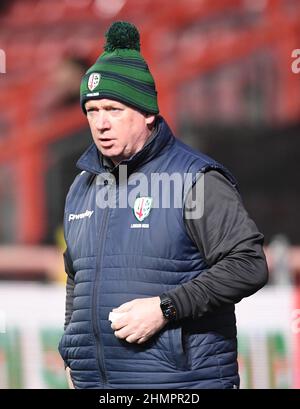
99,346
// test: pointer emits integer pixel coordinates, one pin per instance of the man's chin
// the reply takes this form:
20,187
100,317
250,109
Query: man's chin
113,156
109,152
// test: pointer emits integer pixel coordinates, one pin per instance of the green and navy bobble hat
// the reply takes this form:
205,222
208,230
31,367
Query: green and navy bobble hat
121,73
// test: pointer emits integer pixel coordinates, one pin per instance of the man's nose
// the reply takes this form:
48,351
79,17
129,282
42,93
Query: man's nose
102,121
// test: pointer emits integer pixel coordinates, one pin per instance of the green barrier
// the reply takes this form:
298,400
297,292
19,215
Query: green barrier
279,370
244,361
10,360
53,372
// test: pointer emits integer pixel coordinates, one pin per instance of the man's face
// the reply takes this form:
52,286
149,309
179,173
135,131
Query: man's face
118,130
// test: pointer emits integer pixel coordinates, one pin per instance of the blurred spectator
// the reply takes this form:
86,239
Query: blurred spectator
63,86
67,78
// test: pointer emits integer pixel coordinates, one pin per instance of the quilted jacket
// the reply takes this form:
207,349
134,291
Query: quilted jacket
115,263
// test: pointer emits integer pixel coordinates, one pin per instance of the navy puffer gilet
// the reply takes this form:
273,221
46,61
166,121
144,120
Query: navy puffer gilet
115,263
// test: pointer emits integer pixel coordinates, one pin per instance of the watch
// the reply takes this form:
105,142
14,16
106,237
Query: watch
167,307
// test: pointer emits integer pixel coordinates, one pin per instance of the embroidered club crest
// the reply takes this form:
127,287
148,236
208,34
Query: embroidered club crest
94,80
142,207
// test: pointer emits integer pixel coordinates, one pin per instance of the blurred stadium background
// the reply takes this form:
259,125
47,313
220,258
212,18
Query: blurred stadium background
228,83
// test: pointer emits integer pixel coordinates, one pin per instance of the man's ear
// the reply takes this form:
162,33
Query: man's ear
150,120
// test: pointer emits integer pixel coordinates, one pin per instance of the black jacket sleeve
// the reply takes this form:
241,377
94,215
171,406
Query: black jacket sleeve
232,246
69,288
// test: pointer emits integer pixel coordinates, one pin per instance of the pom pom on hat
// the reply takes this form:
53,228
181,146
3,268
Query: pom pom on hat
122,35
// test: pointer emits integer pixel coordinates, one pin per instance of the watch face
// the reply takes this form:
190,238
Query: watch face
168,309
171,313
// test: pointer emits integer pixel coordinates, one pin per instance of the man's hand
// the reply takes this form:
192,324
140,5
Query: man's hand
141,319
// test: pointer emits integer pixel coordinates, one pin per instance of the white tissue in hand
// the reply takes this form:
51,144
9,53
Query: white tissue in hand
113,316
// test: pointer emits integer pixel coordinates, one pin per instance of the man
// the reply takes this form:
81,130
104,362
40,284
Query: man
151,288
